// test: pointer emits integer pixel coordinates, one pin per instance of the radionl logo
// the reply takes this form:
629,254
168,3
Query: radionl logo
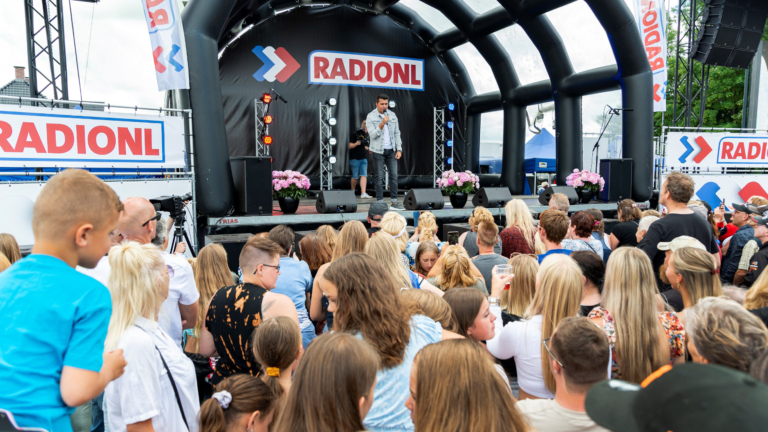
365,70
278,64
704,149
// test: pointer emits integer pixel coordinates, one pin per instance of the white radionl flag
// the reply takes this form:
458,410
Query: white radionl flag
169,49
650,22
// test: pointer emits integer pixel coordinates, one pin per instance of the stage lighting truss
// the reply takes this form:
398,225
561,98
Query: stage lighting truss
263,120
438,153
327,144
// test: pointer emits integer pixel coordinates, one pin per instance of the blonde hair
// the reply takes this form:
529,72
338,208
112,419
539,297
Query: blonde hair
519,216
9,247
456,271
480,214
726,334
352,238
647,213
699,272
135,285
382,247
394,224
757,296
328,234
539,246
433,306
557,297
4,262
211,274
427,227
71,198
629,294
476,400
522,288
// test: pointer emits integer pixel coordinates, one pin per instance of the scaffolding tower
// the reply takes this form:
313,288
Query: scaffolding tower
689,86
46,50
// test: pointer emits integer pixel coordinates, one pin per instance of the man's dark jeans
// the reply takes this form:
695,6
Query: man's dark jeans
388,157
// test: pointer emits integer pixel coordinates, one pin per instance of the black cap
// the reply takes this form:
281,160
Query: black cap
376,210
747,208
689,397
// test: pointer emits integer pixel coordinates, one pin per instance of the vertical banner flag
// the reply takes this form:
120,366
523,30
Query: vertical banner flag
650,22
169,49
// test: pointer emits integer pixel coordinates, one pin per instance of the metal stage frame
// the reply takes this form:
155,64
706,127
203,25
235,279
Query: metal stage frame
360,215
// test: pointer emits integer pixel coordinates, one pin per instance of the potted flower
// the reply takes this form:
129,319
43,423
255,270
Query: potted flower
586,184
458,186
288,187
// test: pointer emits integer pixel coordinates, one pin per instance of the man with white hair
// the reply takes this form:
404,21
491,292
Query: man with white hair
138,223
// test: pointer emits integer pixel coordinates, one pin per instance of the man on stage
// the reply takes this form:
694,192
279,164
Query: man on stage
386,147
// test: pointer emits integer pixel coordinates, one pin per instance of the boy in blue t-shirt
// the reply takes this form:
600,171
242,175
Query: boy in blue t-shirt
553,226
54,319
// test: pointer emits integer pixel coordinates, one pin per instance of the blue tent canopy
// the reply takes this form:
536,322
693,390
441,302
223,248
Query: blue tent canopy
540,153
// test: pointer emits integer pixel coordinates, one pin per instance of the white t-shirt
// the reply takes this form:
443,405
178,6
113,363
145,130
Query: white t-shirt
521,340
144,391
182,289
548,415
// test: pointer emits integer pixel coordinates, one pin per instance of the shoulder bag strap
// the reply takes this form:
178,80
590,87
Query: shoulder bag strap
173,382
589,246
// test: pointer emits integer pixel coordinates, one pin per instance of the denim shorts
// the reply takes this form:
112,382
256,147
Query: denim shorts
359,168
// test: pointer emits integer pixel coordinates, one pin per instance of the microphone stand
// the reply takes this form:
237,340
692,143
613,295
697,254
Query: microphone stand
597,143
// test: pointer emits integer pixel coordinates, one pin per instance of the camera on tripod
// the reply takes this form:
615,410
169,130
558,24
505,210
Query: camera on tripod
175,206
172,204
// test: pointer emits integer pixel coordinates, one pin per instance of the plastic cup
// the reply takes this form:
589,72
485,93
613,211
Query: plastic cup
503,269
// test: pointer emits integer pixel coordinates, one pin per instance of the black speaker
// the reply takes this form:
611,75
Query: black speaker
617,174
233,245
253,184
569,192
491,197
424,199
730,33
336,201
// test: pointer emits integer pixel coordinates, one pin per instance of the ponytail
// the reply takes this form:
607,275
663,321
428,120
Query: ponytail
427,227
235,396
276,345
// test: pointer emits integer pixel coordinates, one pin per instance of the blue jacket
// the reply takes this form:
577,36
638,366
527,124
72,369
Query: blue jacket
735,248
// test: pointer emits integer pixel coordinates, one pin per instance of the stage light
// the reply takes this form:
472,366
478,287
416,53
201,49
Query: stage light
331,101
450,125
449,143
451,107
449,161
267,139
332,159
392,104
332,121
266,98
332,141
268,119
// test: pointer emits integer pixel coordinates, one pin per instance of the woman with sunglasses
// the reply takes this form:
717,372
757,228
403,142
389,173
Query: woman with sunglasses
144,398
235,312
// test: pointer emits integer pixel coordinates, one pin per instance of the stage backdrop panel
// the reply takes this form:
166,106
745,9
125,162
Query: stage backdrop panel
350,40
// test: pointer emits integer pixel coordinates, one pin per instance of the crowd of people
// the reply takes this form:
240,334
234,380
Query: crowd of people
564,323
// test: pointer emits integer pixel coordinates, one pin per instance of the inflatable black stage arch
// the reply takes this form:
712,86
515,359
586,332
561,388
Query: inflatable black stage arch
208,27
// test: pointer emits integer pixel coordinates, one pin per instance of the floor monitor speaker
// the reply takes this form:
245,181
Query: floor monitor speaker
569,192
491,197
253,184
336,201
233,245
617,174
424,199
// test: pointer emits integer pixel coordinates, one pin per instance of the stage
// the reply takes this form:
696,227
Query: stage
307,215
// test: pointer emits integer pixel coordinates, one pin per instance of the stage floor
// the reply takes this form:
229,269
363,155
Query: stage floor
308,214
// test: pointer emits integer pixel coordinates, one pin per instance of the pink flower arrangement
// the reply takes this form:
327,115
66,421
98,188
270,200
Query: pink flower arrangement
289,184
585,180
453,182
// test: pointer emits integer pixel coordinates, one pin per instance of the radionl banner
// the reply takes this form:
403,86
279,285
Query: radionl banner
729,188
650,21
365,70
169,49
716,150
43,137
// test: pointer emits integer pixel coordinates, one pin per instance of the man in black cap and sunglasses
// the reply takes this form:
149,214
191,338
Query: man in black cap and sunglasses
732,252
759,260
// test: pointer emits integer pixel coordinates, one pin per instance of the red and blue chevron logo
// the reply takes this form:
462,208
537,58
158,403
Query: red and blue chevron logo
278,64
704,149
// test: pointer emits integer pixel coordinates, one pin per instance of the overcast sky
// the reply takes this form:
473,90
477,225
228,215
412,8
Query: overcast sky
116,61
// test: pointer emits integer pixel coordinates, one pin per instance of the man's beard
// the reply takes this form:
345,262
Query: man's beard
663,274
